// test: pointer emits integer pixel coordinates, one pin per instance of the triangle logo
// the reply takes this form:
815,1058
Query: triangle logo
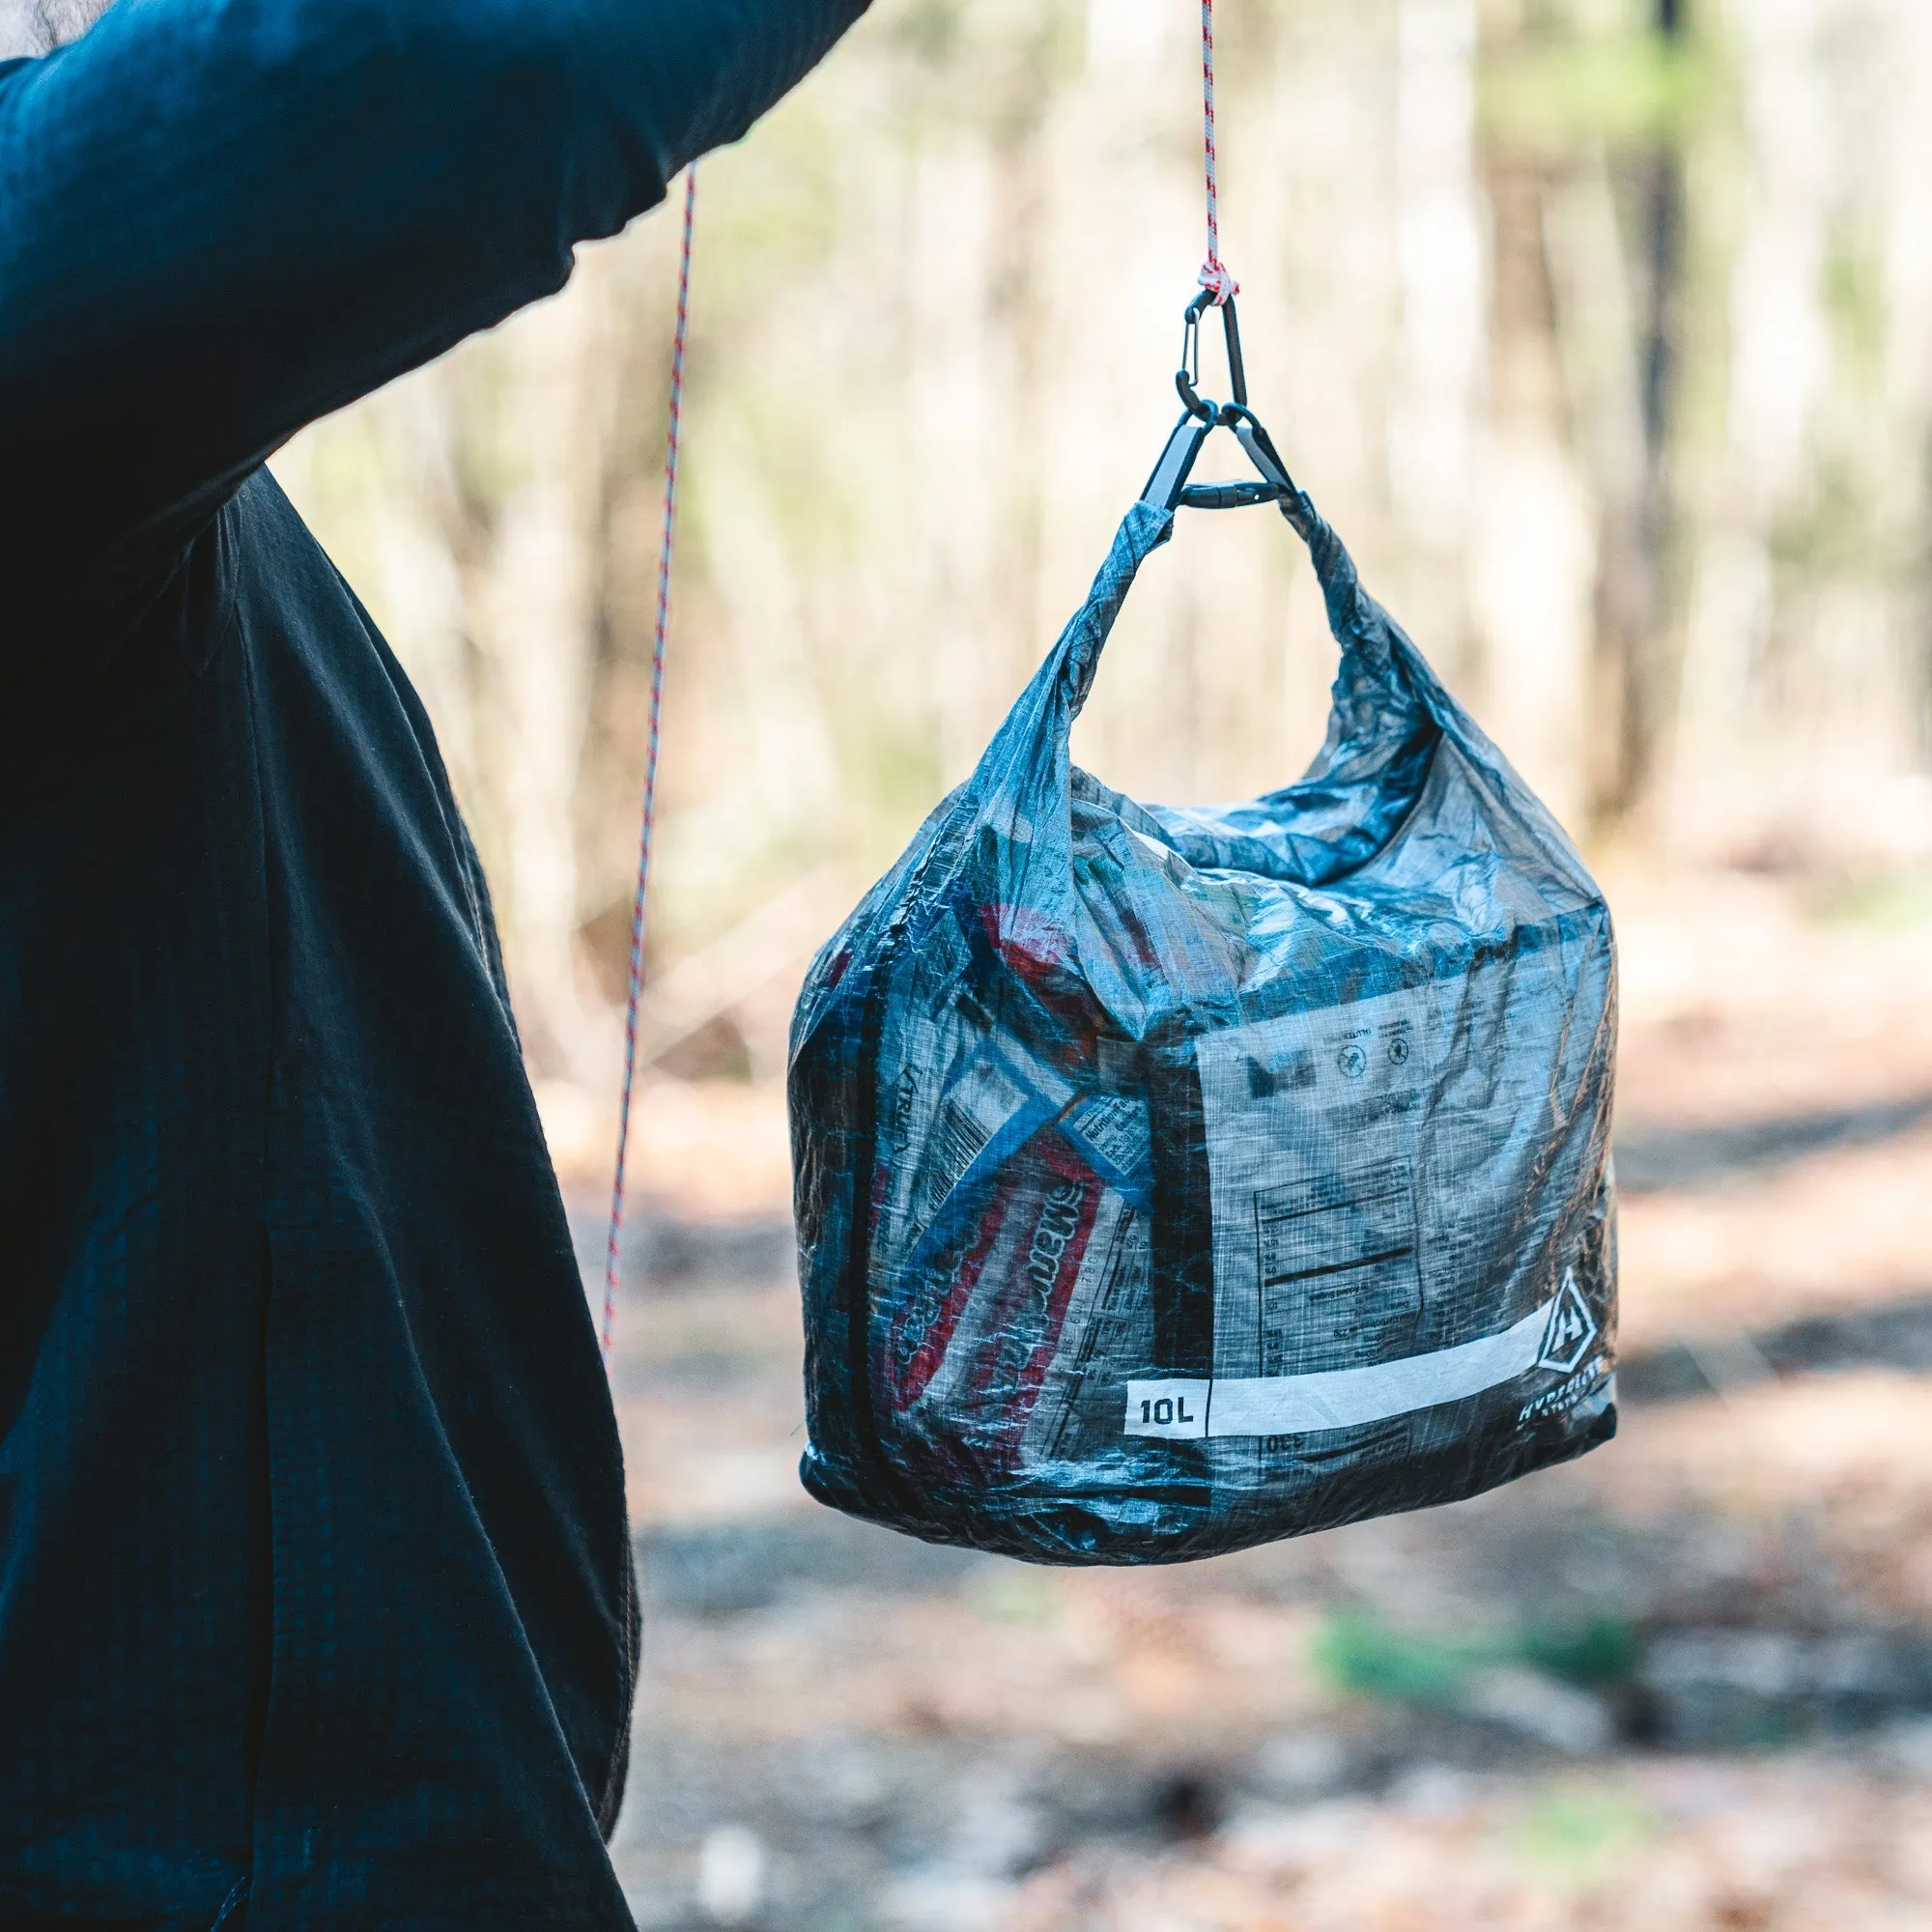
1571,1329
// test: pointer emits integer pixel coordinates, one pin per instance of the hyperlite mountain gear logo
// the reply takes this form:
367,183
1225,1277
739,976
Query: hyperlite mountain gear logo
1567,1339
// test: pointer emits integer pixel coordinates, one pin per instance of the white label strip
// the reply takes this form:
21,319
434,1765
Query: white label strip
1336,1398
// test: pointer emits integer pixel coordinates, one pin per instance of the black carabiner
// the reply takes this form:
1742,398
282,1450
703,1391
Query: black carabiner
1189,376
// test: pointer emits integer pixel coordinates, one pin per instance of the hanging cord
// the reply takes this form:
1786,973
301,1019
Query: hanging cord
1215,274
637,985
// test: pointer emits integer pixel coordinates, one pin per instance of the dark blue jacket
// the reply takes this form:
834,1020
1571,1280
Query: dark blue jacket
316,1607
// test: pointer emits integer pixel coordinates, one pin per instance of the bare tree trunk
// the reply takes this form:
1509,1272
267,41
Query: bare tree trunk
1439,353
1637,621
1533,557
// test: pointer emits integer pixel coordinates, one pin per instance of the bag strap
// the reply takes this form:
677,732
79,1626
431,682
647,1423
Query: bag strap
1142,531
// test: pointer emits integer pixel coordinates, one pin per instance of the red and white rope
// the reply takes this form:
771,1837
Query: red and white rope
1215,272
637,983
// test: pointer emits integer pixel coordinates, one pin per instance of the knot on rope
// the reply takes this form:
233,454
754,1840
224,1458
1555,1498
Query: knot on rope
1218,279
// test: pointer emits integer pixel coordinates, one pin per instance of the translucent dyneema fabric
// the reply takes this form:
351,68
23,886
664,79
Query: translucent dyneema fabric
1170,1179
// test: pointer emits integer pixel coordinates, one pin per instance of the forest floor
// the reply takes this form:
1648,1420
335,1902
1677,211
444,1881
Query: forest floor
1685,1683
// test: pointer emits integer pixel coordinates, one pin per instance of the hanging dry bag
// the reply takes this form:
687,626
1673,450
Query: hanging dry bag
1170,1179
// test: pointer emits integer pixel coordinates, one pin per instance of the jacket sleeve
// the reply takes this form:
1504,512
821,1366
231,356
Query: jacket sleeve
220,219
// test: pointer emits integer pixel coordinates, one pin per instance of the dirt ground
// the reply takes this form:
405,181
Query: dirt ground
1683,1683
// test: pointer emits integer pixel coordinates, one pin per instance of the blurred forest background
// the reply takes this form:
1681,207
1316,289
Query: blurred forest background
1602,331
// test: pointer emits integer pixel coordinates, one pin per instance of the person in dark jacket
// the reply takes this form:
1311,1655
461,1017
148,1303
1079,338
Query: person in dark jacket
316,1604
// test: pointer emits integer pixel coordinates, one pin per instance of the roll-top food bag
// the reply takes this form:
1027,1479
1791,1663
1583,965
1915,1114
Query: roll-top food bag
1173,1178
